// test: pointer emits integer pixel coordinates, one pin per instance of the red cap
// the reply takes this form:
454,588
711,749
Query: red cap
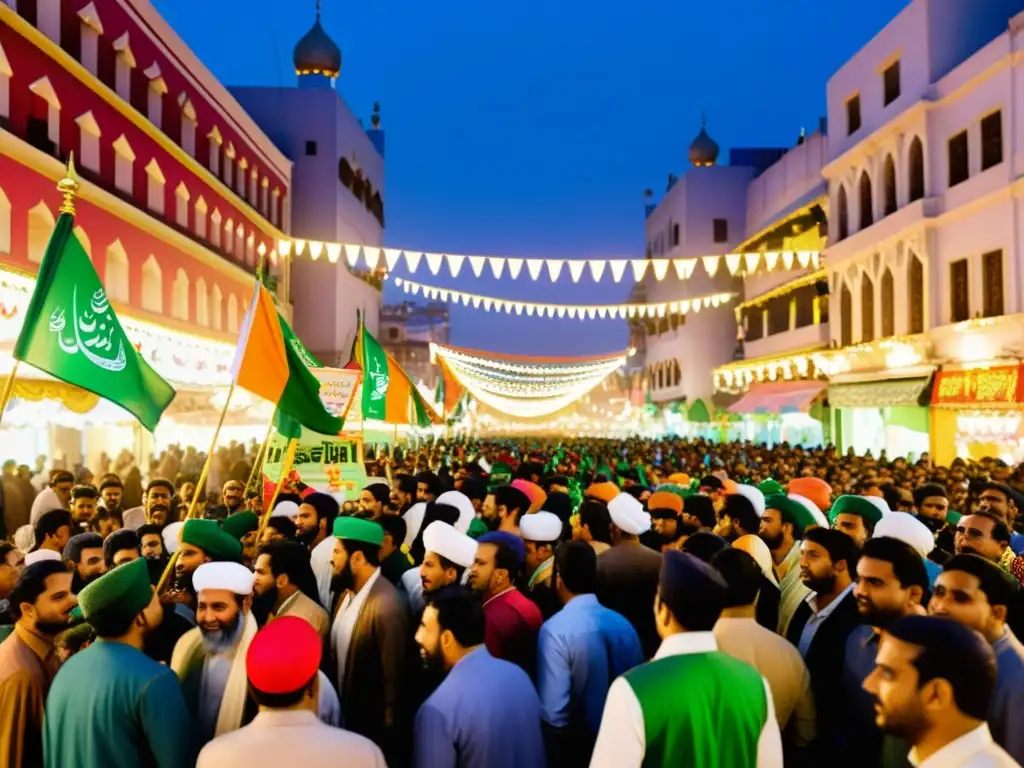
284,656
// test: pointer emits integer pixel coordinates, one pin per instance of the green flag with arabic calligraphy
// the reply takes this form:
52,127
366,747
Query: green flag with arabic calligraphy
72,333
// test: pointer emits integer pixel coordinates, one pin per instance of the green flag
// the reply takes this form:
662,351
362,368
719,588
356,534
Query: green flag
286,425
72,333
374,361
300,399
439,391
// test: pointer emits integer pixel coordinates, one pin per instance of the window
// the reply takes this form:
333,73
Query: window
393,334
915,295
992,284
675,235
959,168
179,296
5,223
5,84
867,309
89,30
123,66
890,186
958,287
232,314
188,125
215,140
844,214
48,18
202,303
915,169
254,181
240,242
310,149
721,230
991,140
200,217
853,115
215,228
888,305
152,286
250,249
867,217
181,198
124,162
115,273
155,102
155,188
40,227
846,316
275,210
216,308
229,163
88,142
44,117
891,83
243,166
264,188
229,236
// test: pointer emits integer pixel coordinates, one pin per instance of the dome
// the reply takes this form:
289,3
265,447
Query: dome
316,53
703,150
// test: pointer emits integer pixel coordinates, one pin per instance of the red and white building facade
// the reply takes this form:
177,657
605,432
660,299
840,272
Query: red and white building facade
181,194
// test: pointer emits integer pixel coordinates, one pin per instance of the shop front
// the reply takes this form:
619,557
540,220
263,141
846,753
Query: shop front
783,411
888,415
976,413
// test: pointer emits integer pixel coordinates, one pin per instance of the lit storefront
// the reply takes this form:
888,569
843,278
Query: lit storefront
890,415
783,411
977,413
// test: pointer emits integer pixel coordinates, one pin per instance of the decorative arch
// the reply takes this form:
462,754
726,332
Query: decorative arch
866,198
179,295
40,227
888,304
889,186
216,308
202,303
843,214
845,315
867,308
915,295
152,286
915,169
115,273
232,313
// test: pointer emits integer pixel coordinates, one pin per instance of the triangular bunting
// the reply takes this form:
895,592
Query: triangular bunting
515,266
815,258
684,267
591,313
710,264
732,262
707,301
639,268
530,308
497,266
602,312
803,258
487,305
684,306
299,245
412,260
751,260
455,264
631,310
660,268
660,310
372,258
572,313
434,262
315,249
554,268
391,257
771,258
787,259
351,254
518,308
618,268
561,312
534,266
576,268
476,302
477,263
597,269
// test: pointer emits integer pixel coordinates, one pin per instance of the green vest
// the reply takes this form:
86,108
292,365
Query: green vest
704,710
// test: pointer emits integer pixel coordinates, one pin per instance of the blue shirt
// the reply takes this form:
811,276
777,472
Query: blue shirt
484,715
580,651
1008,702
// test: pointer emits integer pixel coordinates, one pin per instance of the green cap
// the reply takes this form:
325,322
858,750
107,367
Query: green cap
770,487
681,491
792,511
357,529
117,596
855,505
477,528
952,516
240,524
207,535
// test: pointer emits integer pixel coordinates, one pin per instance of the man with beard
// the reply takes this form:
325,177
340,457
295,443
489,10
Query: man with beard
403,492
151,541
369,639
447,554
41,604
313,524
83,505
931,505
427,486
822,624
891,583
111,492
84,556
210,658
372,500
56,495
932,684
232,500
986,534
666,510
783,524
202,541
503,508
541,532
856,516
741,513
976,593
111,705
580,651
121,547
245,527
593,525
285,585
156,506
456,726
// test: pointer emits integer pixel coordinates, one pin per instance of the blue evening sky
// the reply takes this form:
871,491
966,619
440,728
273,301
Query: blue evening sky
532,128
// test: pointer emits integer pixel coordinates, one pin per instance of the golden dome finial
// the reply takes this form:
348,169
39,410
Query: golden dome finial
68,186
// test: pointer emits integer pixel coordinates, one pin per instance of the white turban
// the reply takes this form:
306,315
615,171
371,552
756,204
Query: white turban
286,508
540,526
233,577
40,555
753,495
628,515
413,521
171,534
905,527
462,503
445,540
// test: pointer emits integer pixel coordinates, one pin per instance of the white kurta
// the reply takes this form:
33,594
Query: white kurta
345,623
320,561
975,749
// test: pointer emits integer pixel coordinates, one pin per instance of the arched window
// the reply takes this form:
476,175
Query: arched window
40,227
867,309
867,216
888,305
232,314
890,185
152,286
678,378
216,308
202,303
84,241
843,215
915,169
179,295
846,316
345,173
115,273
915,295
5,223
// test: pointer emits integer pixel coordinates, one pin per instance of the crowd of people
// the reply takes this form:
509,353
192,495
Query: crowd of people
516,604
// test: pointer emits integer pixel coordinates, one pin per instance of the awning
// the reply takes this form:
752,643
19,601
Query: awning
723,401
779,397
879,394
699,412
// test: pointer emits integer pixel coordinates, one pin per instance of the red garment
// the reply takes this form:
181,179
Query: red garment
513,621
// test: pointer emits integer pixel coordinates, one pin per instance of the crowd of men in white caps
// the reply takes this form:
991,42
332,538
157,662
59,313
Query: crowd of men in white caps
494,617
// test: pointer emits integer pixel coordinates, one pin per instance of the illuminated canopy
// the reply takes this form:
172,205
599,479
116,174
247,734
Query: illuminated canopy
526,388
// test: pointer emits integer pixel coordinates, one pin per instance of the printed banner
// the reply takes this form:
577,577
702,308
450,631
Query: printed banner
325,463
979,386
337,388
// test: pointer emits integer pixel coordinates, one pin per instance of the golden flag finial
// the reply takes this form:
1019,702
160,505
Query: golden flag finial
68,186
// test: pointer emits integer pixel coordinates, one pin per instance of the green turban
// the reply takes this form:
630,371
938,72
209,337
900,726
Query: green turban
792,511
855,505
770,487
357,529
240,524
207,536
118,596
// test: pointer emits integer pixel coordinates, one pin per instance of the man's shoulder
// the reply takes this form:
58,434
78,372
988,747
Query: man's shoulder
314,737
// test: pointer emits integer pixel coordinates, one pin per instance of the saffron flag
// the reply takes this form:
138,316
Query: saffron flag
72,333
269,364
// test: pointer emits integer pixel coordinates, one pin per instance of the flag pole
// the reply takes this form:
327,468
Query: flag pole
261,454
286,467
8,389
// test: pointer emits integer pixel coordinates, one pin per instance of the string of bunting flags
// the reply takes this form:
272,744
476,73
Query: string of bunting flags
373,258
574,311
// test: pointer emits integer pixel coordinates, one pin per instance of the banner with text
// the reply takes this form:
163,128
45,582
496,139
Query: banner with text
994,387
326,463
